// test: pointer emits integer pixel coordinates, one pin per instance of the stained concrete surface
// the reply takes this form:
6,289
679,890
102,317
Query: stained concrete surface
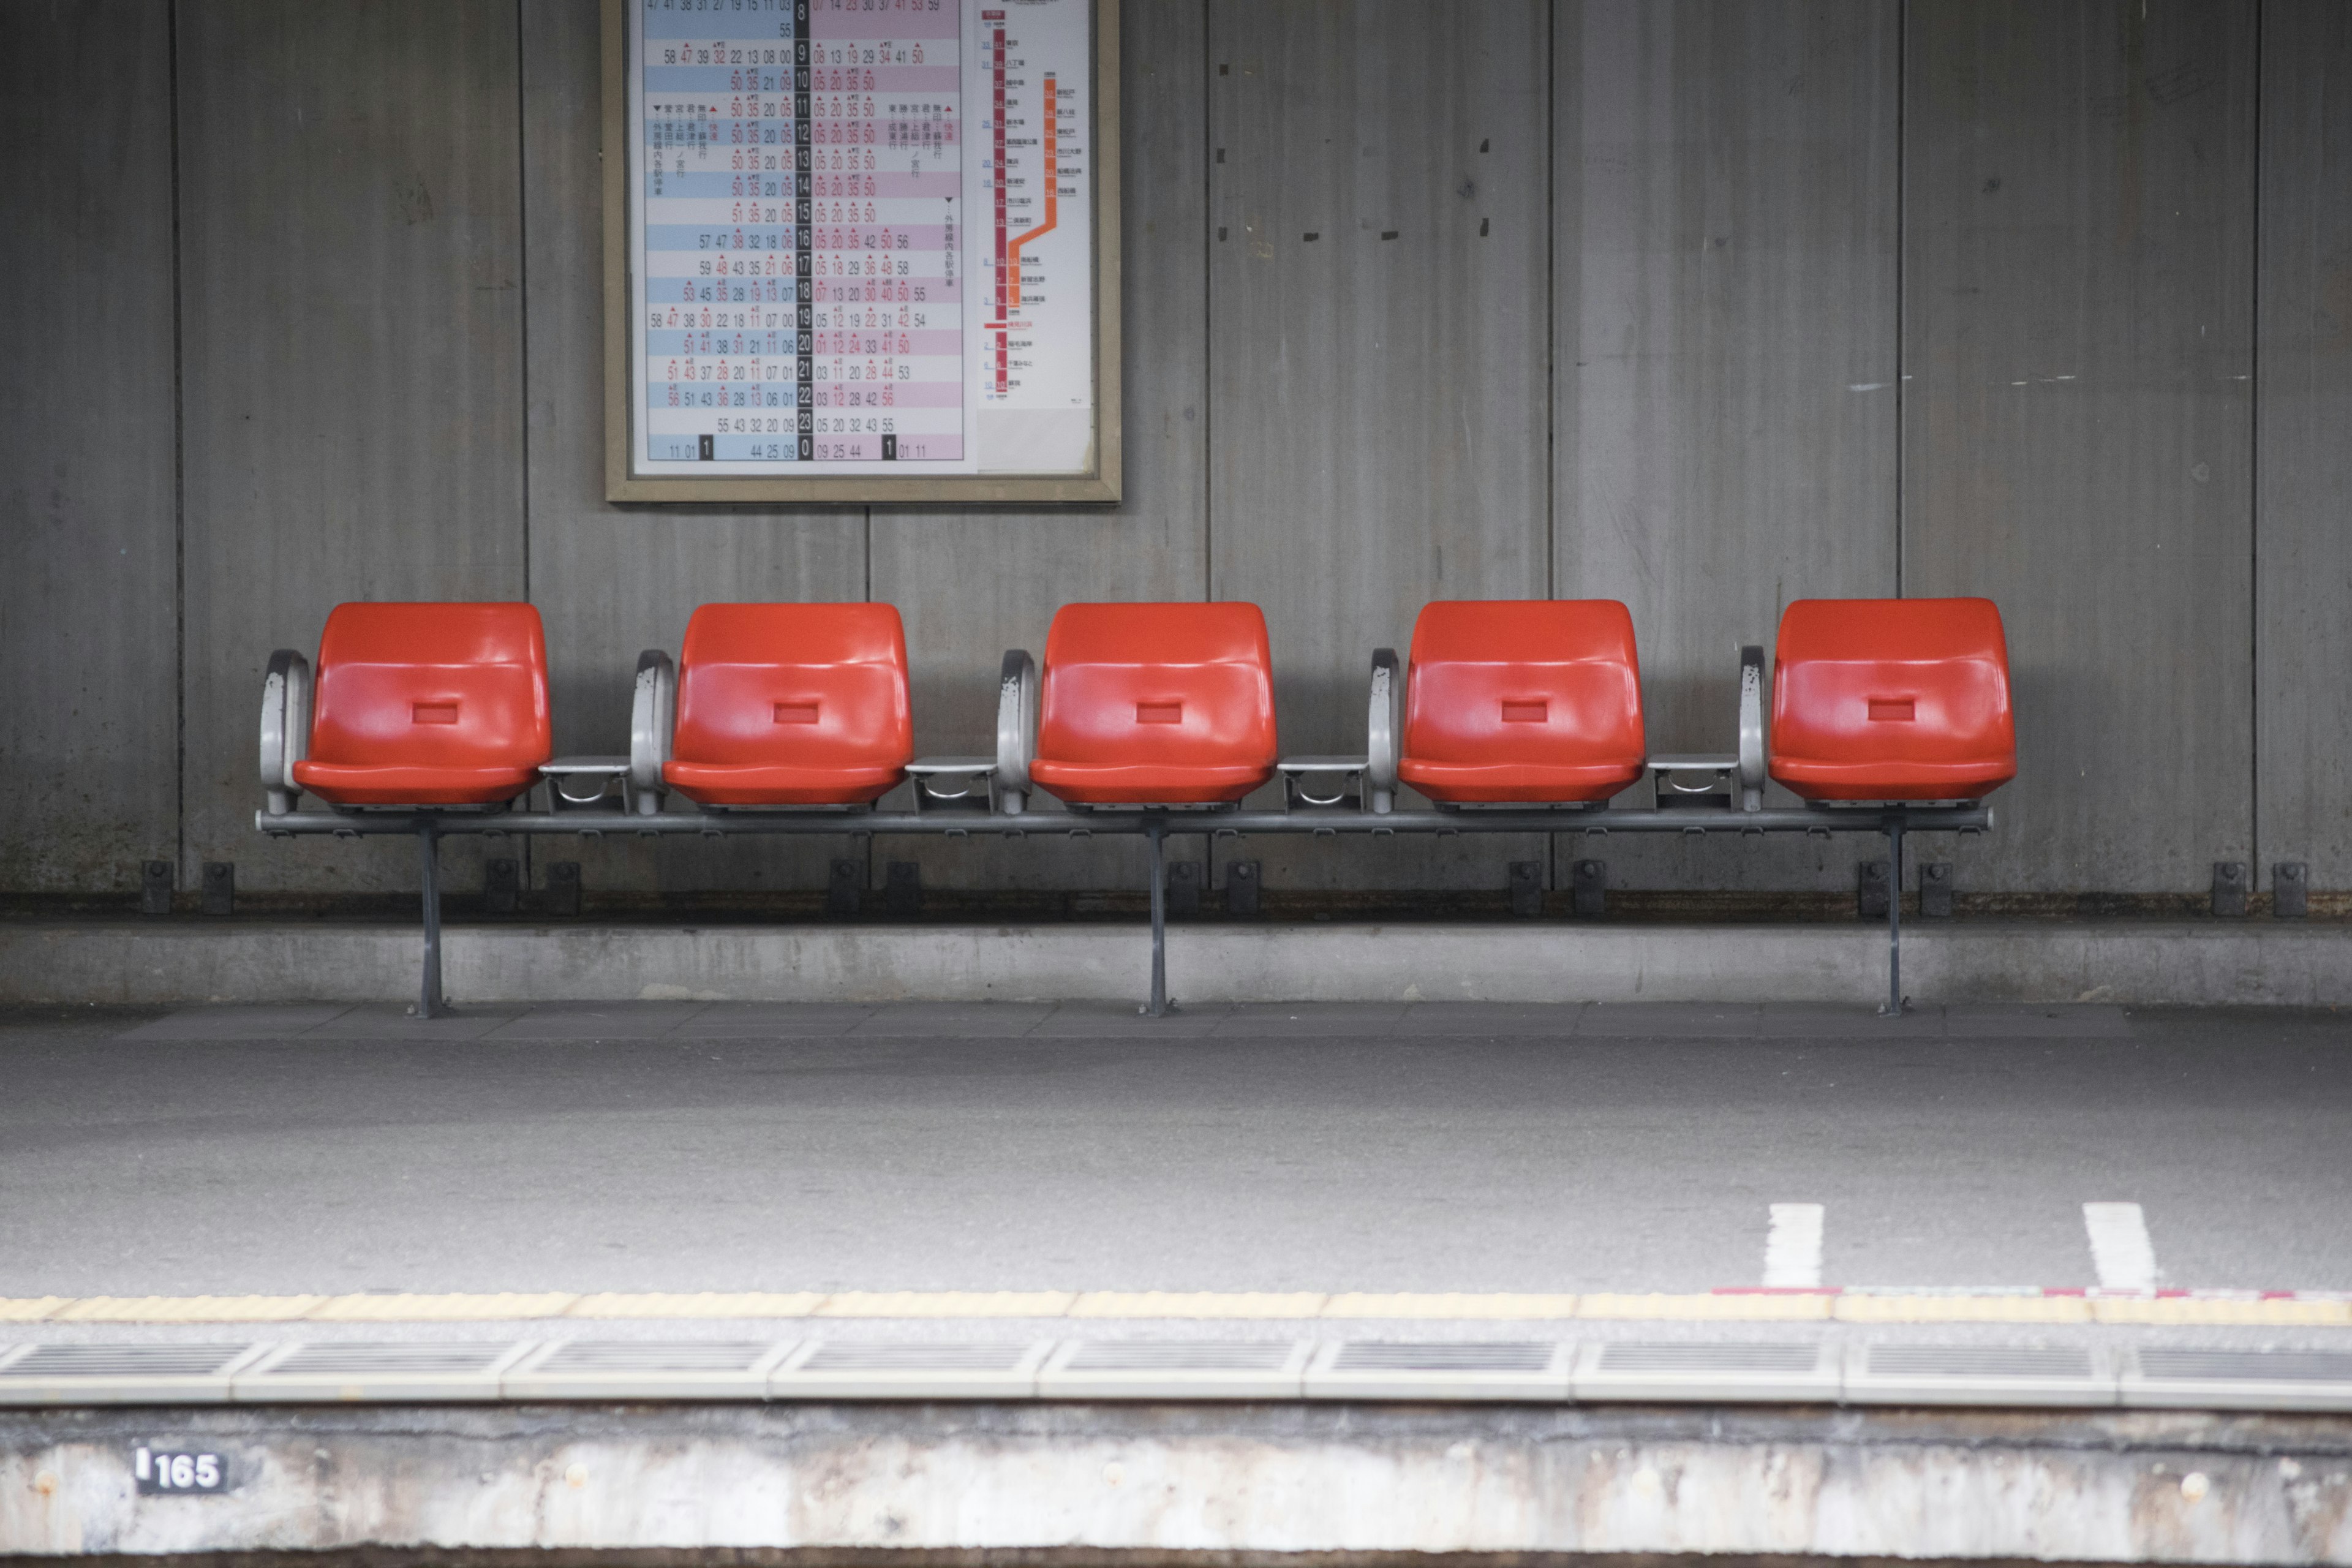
679,1147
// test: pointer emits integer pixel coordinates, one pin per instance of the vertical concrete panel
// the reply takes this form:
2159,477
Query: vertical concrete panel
2303,481
974,584
88,737
352,251
611,581
1377,370
1726,274
2078,324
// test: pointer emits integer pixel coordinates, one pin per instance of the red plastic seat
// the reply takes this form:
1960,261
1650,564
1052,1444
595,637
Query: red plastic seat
1155,704
1892,700
1533,700
791,705
427,705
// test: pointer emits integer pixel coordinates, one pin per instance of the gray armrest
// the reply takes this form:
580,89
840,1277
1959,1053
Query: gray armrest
1382,733
653,712
285,728
1016,728
1751,729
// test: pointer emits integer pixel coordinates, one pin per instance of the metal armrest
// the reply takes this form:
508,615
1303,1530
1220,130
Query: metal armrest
1016,728
1382,730
1751,729
285,728
653,713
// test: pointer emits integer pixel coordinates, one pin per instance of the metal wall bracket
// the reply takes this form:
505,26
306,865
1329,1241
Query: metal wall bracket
156,887
1870,890
1184,881
1526,888
1936,890
219,896
2290,890
501,886
902,890
563,887
1591,889
845,888
1241,888
2229,889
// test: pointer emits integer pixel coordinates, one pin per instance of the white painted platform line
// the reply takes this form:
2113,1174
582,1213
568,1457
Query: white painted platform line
2121,1252
1792,1248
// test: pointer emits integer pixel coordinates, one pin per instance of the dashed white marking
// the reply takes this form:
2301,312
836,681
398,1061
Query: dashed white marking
1792,1248
2121,1252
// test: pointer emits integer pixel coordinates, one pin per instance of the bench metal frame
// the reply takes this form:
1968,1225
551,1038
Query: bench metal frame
992,797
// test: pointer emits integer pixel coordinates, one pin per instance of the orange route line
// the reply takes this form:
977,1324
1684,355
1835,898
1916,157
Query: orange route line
1012,252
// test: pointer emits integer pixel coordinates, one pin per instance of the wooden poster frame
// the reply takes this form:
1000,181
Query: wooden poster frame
1102,484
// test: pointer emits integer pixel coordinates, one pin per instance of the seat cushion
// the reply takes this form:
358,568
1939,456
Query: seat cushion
362,783
1892,700
427,704
791,704
1155,704
756,784
1535,701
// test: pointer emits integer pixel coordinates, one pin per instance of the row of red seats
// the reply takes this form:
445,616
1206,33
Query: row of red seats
1535,702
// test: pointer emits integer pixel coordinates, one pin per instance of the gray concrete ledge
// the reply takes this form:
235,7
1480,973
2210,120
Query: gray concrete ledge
2130,963
1194,1478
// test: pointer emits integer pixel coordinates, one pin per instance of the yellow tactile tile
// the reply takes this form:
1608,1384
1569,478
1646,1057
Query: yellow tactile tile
1740,1307
1449,1305
30,1308
696,1304
947,1304
1862,1308
450,1309
1198,1304
2210,1311
188,1310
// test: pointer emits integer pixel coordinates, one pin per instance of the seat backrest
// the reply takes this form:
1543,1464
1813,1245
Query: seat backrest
813,685
432,685
1524,680
1169,684
1892,680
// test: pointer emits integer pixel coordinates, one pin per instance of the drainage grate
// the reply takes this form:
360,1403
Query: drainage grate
1176,1369
120,1374
381,1370
1709,1357
955,1369
2192,1378
1530,1370
123,1360
1720,1371
2056,1375
654,1355
647,1369
1511,1355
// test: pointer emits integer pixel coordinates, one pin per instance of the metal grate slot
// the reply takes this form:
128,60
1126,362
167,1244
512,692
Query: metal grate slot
361,1358
2187,1377
839,1357
1518,1355
1649,1358
2280,1366
124,1361
1175,1355
1979,1360
654,1355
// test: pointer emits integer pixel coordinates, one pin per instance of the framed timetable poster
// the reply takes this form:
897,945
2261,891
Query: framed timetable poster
861,250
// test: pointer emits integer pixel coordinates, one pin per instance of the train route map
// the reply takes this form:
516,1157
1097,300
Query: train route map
860,237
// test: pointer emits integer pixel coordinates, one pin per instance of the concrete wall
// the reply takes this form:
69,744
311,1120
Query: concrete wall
1701,307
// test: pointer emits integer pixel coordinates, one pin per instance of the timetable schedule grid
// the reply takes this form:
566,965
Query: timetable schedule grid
798,259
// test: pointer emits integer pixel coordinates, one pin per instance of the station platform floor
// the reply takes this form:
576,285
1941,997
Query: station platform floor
1268,1162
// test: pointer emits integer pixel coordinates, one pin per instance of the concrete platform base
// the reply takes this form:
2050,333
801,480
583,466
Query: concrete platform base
2142,963
1220,1483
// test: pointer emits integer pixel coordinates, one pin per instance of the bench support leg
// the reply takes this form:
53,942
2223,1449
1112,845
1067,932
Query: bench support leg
428,998
1893,1007
1156,828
